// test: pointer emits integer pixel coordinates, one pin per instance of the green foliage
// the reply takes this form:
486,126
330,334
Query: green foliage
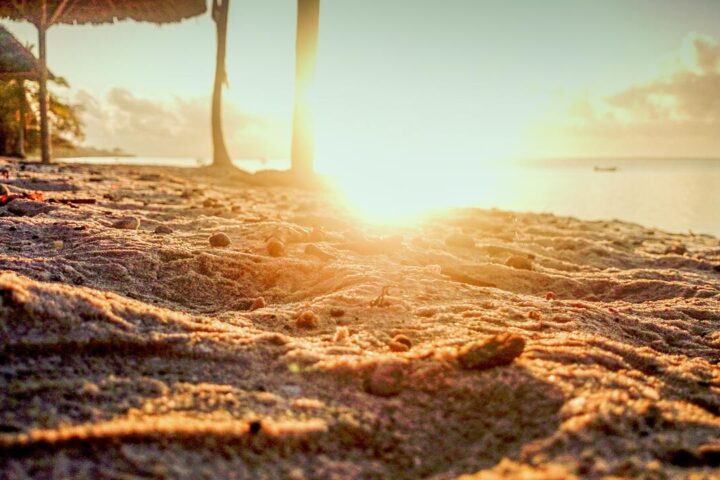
18,96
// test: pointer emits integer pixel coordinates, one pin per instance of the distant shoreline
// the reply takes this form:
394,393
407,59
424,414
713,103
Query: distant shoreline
85,152
97,155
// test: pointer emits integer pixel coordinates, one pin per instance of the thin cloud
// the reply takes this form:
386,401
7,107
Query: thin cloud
691,93
675,113
179,127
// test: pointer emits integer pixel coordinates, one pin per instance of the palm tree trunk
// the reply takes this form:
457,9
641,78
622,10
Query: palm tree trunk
221,158
303,145
44,127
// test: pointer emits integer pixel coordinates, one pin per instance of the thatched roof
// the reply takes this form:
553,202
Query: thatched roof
103,11
16,61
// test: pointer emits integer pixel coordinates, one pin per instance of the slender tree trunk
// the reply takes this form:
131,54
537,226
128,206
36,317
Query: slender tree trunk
21,120
44,124
221,158
303,142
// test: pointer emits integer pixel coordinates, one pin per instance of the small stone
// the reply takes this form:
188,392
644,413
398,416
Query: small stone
397,347
519,262
535,315
4,190
219,240
259,302
460,240
163,230
275,247
211,203
315,251
550,296
677,249
491,352
337,312
27,208
306,319
127,223
400,343
114,196
386,379
58,244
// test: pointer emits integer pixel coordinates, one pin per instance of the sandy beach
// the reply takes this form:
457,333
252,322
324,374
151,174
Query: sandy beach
174,323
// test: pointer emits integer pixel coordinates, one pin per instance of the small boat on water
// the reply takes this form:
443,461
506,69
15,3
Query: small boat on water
605,169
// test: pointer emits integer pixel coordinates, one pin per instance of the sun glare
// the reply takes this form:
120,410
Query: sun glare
400,145
385,190
393,175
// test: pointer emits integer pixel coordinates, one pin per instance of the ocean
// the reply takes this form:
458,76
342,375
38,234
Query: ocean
675,195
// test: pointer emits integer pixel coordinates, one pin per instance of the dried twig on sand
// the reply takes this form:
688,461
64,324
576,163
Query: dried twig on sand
380,299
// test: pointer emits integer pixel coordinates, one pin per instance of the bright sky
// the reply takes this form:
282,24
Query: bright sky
463,81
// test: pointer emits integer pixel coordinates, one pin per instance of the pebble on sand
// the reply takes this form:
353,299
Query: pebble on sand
386,379
127,223
4,190
400,343
211,203
259,302
28,208
275,247
219,240
163,230
491,352
337,312
535,315
676,249
519,262
306,319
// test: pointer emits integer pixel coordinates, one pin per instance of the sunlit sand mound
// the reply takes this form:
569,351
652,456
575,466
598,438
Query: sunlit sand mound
305,343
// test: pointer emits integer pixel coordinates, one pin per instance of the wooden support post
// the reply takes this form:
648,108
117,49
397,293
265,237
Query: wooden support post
44,122
21,120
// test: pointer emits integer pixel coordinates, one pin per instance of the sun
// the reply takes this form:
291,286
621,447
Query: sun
394,177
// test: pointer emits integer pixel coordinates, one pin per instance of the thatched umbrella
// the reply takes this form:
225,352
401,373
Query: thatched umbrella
19,64
46,13
303,145
16,61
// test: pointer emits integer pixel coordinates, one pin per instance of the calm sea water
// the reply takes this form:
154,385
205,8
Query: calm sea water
673,195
